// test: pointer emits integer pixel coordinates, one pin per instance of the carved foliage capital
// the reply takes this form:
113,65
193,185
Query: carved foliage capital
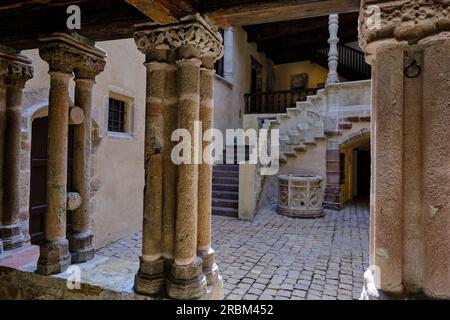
205,42
65,58
15,72
402,20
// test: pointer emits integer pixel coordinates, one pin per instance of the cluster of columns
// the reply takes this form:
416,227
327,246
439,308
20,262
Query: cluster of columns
177,259
15,70
68,56
410,208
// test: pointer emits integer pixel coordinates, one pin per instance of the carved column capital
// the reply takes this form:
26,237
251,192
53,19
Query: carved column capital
401,20
15,69
192,37
72,53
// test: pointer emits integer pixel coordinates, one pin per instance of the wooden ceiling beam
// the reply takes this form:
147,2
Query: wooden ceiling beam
225,13
303,39
267,31
164,11
101,20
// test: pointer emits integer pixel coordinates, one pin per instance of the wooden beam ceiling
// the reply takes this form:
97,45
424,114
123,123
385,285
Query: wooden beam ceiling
261,32
226,13
165,11
101,20
291,41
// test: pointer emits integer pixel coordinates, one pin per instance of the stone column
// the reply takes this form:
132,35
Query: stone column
187,42
150,277
19,71
80,239
333,54
410,151
170,169
63,53
210,268
3,72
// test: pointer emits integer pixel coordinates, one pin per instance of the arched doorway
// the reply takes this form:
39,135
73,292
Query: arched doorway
38,178
355,169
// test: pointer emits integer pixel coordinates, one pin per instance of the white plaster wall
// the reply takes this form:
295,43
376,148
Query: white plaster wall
229,102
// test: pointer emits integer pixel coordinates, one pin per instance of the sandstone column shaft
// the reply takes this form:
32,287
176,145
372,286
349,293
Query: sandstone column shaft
2,146
54,253
80,240
82,150
11,233
170,169
188,112
154,131
58,125
205,170
387,157
436,168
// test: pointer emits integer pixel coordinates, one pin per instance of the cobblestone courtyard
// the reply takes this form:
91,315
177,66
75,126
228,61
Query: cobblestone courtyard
277,257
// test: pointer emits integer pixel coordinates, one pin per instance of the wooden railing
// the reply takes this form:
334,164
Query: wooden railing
275,101
350,58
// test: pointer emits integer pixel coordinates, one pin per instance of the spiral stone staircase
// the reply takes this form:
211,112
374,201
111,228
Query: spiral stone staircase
316,119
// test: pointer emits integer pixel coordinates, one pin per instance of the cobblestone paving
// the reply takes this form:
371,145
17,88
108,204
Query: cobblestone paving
277,257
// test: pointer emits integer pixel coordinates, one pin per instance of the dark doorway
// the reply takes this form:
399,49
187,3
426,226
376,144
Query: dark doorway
38,178
363,173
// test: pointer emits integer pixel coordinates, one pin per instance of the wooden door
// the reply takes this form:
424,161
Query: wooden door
38,178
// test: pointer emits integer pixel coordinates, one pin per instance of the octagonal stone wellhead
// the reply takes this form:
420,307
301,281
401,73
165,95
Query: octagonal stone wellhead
300,196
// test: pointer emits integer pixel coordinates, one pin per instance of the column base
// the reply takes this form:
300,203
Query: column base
214,280
54,257
12,237
80,247
187,282
150,278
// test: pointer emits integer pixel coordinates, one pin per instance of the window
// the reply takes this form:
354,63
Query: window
116,115
219,65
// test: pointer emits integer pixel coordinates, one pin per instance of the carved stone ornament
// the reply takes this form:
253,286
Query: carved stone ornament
16,71
402,20
195,33
72,52
62,57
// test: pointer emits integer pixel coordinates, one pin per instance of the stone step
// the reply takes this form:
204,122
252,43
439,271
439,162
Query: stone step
225,212
232,195
345,125
225,180
226,167
225,187
225,203
225,173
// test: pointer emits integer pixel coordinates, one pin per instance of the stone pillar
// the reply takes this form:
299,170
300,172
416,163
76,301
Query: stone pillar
63,53
210,268
3,73
174,188
333,54
19,71
170,169
410,212
80,239
150,277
